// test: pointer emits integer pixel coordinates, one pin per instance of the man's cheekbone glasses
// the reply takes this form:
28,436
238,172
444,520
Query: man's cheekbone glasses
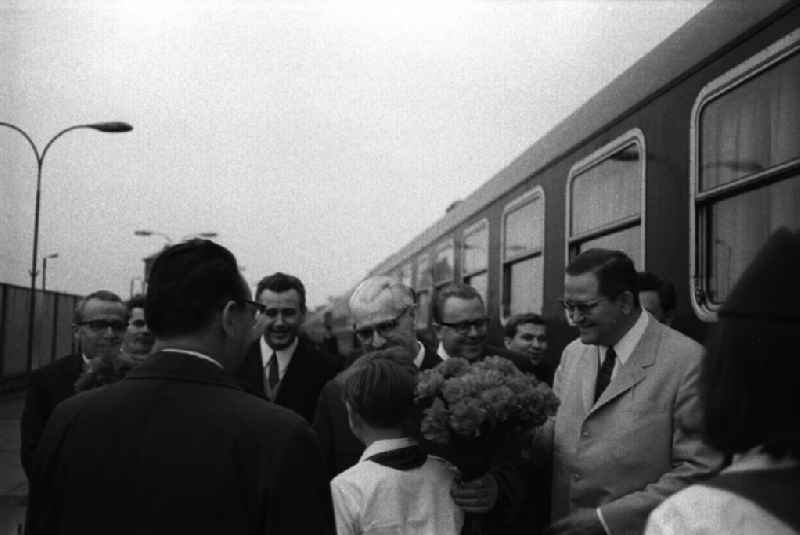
464,327
383,328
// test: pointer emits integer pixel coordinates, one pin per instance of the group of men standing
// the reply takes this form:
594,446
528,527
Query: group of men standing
236,422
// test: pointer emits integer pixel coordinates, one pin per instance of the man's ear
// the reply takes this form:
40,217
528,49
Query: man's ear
507,342
626,300
228,318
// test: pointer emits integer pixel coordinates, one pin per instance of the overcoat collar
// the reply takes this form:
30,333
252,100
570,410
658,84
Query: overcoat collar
181,367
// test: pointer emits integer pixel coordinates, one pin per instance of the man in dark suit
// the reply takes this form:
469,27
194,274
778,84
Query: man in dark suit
281,365
461,324
383,311
177,446
99,322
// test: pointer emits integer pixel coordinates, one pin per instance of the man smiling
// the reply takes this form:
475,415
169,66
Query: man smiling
628,431
281,365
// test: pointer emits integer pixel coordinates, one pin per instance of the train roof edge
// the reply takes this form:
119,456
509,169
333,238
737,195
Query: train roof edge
681,52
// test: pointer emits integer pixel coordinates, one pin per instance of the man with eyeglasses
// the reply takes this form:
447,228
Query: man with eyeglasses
99,322
461,323
628,431
138,340
177,446
282,365
383,312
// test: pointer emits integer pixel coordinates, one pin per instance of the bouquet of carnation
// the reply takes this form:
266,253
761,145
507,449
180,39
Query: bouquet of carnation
471,412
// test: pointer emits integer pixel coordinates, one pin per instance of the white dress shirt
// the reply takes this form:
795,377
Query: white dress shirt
370,498
420,355
625,346
284,356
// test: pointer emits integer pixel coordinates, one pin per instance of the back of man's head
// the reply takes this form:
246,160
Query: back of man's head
614,270
667,296
188,284
379,387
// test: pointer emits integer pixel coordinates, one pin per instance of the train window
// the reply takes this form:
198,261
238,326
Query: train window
745,169
605,199
475,257
405,274
423,288
443,271
522,258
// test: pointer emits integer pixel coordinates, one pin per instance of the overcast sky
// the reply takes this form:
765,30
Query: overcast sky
315,137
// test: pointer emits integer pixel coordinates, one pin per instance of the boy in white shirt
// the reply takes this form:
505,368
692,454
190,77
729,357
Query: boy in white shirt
395,487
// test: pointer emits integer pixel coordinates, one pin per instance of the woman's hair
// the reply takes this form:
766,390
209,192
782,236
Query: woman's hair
750,385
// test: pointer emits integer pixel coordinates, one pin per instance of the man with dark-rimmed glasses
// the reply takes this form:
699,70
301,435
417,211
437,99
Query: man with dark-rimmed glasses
99,323
383,312
628,430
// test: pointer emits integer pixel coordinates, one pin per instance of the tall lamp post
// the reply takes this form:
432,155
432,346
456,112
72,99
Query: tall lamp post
108,127
44,269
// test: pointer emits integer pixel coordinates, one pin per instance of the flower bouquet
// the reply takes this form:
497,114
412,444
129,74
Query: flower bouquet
478,415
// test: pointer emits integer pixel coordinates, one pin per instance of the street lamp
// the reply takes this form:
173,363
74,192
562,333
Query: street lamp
44,269
108,127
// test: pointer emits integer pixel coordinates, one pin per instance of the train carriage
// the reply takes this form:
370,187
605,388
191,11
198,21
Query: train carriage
686,161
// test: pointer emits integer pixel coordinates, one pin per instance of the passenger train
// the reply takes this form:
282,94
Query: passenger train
686,161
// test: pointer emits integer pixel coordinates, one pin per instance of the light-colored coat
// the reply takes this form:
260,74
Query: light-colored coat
640,442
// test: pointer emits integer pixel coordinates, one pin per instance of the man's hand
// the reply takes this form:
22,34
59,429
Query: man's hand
476,496
581,522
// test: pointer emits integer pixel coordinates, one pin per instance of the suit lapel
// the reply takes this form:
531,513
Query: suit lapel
635,369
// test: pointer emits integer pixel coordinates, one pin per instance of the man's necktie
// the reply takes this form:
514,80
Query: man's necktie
604,373
272,375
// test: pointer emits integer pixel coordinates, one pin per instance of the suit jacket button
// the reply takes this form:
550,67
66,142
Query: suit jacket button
585,434
576,476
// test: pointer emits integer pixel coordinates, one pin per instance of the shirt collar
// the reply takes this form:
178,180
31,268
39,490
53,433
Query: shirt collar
420,355
441,352
194,354
625,346
388,444
284,355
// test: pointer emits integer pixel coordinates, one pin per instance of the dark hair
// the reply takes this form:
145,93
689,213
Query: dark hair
667,295
379,387
281,282
614,270
454,289
516,320
750,388
188,284
100,295
136,301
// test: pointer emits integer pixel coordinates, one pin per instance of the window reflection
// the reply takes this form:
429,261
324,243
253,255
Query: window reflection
608,191
752,127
